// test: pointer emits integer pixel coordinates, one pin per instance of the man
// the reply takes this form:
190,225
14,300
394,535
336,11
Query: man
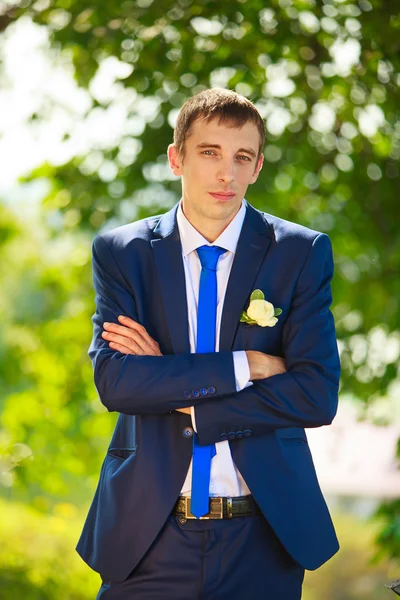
208,489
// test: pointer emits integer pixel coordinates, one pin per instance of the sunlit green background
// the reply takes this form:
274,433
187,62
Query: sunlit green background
89,92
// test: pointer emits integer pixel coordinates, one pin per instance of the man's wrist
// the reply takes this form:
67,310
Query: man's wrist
241,368
264,365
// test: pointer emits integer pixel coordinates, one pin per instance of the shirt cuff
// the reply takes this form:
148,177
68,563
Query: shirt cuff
242,369
192,413
242,378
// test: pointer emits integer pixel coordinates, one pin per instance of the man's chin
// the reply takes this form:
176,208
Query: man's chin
225,209
213,209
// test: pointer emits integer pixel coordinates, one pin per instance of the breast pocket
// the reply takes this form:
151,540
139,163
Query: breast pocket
262,339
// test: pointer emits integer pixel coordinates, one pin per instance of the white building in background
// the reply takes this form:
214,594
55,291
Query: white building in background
356,459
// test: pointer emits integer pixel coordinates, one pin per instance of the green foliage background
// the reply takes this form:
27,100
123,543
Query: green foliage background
341,178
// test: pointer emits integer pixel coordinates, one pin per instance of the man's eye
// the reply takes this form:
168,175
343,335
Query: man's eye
208,151
243,157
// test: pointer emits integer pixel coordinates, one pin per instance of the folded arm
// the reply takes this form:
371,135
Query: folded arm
307,394
145,384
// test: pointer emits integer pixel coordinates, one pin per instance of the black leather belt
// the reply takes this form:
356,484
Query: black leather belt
219,508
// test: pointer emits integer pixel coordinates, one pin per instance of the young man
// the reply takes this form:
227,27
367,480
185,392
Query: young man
208,489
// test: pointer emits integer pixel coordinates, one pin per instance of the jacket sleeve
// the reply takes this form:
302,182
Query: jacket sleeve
307,394
146,384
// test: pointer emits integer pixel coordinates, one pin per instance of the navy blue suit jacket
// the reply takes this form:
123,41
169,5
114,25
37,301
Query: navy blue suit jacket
138,272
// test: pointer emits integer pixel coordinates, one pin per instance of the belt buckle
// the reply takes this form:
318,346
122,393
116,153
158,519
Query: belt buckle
218,504
214,503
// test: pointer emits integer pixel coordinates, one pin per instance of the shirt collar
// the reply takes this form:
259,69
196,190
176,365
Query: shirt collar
191,239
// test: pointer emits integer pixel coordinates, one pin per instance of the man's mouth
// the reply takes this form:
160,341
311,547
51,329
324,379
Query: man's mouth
222,195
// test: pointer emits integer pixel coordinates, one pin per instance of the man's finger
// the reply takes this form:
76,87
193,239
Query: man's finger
145,342
131,340
128,322
125,350
122,341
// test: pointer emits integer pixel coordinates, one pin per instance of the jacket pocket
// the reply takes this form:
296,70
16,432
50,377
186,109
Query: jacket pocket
295,436
294,441
121,453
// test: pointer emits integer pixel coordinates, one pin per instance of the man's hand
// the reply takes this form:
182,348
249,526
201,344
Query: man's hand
130,338
261,366
264,365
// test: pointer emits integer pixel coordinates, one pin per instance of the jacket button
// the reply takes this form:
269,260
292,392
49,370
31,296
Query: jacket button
211,390
239,435
187,394
203,392
231,435
223,436
187,432
247,432
195,393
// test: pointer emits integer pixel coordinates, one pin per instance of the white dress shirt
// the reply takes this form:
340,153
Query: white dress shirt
225,478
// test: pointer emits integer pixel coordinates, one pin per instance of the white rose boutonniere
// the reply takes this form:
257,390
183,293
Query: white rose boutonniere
260,311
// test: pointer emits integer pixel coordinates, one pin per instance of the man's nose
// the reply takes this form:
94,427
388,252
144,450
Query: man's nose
226,171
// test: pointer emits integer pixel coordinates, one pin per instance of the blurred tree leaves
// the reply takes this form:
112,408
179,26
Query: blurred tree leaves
37,560
47,399
326,77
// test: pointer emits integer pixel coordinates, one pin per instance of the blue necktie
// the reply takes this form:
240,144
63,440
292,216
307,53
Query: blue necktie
206,322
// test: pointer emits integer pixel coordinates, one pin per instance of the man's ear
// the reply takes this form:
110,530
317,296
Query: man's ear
174,159
257,169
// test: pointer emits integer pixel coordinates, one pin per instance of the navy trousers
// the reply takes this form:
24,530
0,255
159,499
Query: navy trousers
233,559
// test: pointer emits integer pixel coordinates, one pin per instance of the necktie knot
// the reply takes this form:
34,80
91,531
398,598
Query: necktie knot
209,256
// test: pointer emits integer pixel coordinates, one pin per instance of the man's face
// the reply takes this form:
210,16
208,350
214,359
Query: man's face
218,165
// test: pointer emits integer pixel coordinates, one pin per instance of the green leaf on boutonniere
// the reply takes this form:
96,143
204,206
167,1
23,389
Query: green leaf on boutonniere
277,312
246,319
257,295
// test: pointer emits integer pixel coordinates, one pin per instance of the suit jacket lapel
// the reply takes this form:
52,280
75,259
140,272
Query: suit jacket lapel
253,244
168,257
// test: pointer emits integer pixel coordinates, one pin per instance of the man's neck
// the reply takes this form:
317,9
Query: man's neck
210,229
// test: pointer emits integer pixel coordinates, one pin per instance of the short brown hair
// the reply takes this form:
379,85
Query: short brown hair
217,103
